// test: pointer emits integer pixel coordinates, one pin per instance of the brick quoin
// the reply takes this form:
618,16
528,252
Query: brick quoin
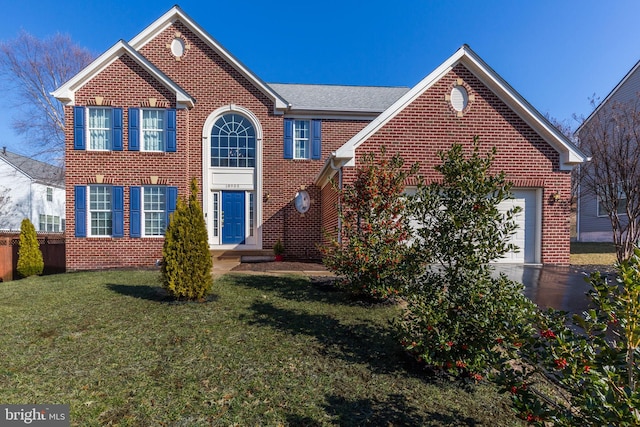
427,125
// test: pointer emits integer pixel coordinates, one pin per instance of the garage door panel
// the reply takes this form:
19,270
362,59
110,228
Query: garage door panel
525,236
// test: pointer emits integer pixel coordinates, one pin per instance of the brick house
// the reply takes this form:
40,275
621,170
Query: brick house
170,105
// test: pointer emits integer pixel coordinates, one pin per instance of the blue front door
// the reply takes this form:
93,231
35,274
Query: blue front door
233,217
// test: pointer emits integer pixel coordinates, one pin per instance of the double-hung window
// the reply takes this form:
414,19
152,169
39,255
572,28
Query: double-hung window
97,128
154,208
302,139
100,217
301,143
152,129
99,211
150,209
621,207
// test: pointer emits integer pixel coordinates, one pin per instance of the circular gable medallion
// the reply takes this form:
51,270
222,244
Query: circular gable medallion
459,98
177,47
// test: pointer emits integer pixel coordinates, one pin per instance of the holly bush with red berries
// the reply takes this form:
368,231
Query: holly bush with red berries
460,315
592,356
371,254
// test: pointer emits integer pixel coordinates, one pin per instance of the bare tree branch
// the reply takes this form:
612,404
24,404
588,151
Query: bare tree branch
612,139
32,68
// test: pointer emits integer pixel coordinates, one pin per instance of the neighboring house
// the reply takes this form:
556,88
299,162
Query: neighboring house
172,104
31,189
592,221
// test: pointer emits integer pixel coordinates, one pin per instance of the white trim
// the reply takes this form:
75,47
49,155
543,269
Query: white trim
66,92
207,186
570,155
177,14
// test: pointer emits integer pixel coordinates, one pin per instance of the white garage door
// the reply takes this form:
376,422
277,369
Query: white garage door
526,237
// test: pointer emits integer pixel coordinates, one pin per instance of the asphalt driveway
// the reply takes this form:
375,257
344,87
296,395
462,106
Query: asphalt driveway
562,288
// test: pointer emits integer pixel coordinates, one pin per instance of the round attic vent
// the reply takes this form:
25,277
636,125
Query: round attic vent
177,47
459,98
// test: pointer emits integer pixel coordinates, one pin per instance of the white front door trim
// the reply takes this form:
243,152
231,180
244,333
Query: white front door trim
214,179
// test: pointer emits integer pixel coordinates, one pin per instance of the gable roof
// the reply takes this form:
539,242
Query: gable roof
363,100
66,92
570,155
632,79
36,170
177,14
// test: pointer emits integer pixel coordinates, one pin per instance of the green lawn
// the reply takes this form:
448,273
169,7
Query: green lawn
264,351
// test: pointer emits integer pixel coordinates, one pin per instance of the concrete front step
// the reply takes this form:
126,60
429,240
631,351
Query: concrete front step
242,256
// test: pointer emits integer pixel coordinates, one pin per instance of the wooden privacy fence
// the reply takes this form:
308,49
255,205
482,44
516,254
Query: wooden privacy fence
53,252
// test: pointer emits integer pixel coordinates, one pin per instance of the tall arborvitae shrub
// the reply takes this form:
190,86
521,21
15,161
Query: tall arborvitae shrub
186,270
30,260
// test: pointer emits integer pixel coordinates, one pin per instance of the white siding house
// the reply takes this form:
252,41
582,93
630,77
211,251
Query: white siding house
30,189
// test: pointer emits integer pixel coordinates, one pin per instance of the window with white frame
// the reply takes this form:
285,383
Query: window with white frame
622,204
216,213
301,142
154,205
100,217
233,142
99,128
49,223
153,134
49,194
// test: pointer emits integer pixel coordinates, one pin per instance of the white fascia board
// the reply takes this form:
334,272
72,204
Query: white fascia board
177,14
570,155
66,93
347,151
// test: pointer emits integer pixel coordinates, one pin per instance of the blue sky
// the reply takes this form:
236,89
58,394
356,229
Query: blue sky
556,54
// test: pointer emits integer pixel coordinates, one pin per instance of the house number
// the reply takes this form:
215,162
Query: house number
233,186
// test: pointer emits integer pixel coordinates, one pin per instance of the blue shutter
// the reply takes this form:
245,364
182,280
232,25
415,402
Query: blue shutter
80,205
288,138
117,211
316,139
135,216
172,200
134,129
116,130
78,129
171,131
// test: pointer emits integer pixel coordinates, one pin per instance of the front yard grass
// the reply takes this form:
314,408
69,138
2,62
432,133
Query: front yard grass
263,351
592,253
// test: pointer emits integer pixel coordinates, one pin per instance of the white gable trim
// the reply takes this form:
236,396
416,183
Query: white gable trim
569,154
177,14
66,92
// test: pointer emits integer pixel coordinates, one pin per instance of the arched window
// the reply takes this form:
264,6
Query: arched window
233,142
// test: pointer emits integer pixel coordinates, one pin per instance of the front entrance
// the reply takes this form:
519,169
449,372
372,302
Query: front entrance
232,167
233,219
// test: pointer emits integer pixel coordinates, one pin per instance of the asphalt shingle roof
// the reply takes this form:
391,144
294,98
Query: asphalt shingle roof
37,170
359,99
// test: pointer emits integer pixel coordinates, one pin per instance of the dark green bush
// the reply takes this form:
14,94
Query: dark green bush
186,270
30,262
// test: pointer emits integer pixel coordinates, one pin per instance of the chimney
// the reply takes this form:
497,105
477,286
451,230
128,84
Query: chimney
4,150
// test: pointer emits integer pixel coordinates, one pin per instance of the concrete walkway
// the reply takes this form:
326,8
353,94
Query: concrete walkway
221,267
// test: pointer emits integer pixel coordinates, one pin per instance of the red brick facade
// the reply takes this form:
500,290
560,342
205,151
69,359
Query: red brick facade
427,125
430,124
